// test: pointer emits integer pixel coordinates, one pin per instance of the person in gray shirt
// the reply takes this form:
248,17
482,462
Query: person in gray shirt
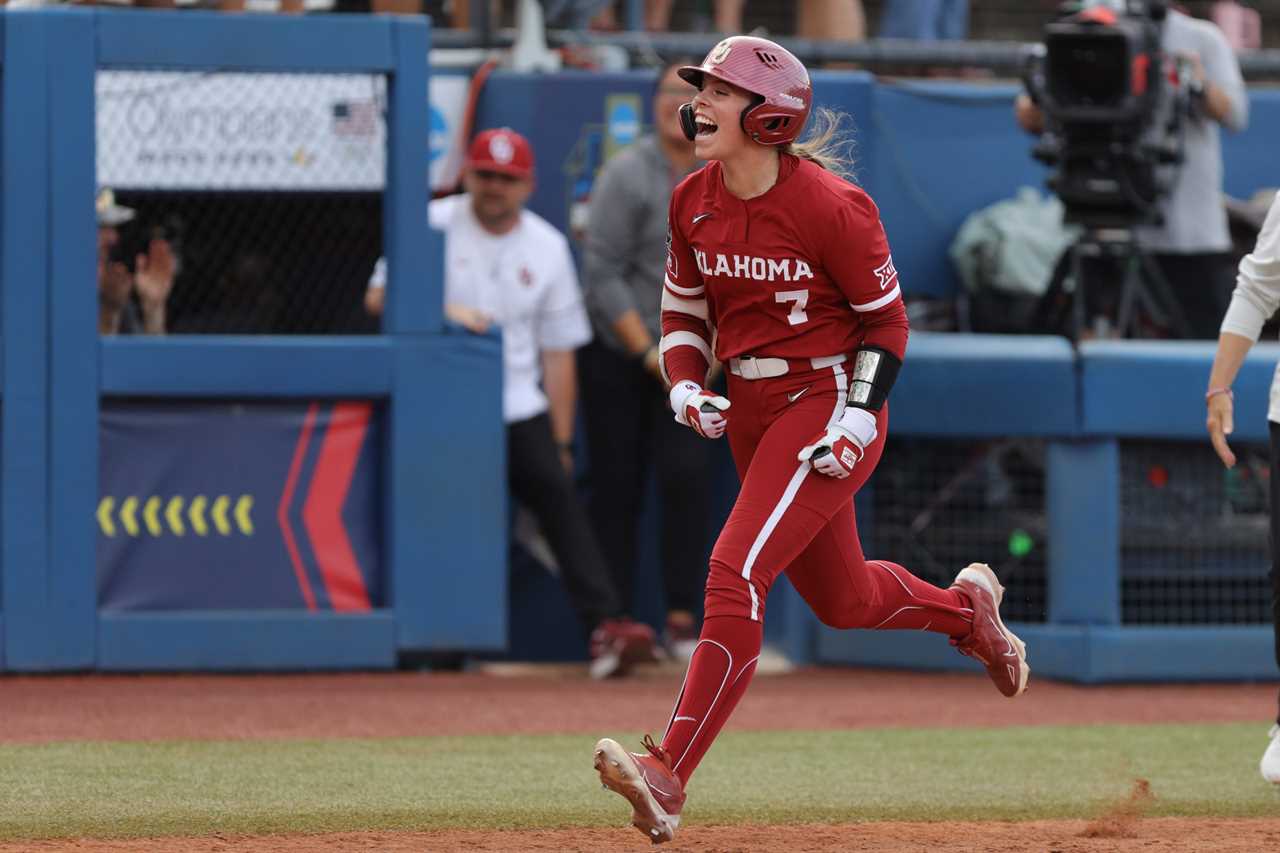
1193,245
629,428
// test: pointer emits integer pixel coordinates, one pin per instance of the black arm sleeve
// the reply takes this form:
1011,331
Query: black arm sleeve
874,372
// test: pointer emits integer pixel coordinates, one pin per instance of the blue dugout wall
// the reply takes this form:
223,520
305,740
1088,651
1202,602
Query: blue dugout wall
929,152
443,569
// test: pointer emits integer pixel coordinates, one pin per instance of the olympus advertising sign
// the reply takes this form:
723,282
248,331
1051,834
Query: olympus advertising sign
230,131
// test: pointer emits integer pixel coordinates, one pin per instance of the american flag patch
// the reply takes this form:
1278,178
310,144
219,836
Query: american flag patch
355,118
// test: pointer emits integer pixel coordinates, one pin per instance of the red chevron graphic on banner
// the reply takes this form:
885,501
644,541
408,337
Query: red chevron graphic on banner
322,512
286,500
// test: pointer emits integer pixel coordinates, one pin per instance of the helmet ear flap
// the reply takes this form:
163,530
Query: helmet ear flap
756,100
687,123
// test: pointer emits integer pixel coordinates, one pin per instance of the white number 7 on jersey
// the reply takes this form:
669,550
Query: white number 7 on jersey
800,298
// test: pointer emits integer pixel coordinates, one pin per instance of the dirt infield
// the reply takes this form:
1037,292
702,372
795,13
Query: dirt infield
55,708
1156,835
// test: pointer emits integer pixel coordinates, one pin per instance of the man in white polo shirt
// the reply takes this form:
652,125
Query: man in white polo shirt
507,267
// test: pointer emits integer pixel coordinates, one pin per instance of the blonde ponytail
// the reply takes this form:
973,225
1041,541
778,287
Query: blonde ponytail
829,143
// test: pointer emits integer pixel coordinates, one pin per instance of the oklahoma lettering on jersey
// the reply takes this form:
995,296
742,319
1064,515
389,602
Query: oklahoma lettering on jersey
758,269
802,271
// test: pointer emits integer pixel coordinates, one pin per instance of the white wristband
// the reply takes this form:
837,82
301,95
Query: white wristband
679,397
860,424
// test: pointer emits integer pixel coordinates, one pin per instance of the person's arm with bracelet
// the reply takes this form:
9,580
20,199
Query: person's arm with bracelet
1256,297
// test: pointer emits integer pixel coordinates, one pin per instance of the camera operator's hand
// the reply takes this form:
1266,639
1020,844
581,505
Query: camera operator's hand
154,281
1194,64
1207,98
1030,117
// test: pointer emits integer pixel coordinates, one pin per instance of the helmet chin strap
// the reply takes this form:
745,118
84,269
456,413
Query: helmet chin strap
687,122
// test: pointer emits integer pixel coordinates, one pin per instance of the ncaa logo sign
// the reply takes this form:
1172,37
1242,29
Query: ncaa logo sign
624,123
438,136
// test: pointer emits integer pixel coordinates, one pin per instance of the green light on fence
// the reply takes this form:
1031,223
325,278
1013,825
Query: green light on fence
1020,543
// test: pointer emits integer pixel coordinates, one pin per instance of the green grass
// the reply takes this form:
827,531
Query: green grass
190,788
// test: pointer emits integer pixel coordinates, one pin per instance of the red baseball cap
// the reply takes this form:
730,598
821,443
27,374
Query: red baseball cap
502,150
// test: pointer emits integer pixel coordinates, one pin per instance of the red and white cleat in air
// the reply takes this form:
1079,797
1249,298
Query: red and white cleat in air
647,782
998,648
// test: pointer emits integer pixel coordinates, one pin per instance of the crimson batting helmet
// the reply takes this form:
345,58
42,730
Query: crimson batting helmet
779,81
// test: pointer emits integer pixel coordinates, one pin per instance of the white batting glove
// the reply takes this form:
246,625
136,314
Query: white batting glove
699,409
835,451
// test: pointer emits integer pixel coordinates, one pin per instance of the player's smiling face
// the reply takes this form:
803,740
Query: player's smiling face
717,110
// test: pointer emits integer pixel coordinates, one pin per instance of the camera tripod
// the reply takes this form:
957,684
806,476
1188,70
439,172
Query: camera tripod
1143,292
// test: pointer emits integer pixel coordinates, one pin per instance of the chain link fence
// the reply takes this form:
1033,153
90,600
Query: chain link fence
1194,535
267,189
939,505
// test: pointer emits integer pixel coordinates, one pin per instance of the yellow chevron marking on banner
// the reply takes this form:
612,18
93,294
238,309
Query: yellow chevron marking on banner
151,515
196,514
128,516
220,506
244,506
173,515
157,511
105,524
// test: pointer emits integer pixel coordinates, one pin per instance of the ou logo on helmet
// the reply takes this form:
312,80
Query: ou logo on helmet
720,53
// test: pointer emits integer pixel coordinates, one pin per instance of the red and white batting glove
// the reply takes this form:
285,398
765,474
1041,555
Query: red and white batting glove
835,451
699,409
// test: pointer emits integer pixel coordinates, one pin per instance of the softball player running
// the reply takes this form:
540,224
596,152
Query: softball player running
785,266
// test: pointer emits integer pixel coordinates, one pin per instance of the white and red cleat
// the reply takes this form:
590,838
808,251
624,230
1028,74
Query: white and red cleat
647,782
998,648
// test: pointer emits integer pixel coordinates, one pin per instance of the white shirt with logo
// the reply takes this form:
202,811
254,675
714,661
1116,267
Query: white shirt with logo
525,280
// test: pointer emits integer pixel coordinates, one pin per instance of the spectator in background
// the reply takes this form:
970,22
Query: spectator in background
836,20
1193,246
130,302
1256,297
507,267
832,20
728,15
1241,26
925,20
630,431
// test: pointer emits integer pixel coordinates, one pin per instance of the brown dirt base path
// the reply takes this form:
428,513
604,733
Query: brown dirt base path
562,699
1155,835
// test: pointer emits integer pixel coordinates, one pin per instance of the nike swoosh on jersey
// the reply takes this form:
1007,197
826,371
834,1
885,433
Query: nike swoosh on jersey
791,398
700,217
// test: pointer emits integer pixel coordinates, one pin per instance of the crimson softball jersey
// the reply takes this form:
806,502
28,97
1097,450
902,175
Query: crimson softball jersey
802,271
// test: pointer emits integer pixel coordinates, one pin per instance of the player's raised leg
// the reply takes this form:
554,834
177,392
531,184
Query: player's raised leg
845,590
